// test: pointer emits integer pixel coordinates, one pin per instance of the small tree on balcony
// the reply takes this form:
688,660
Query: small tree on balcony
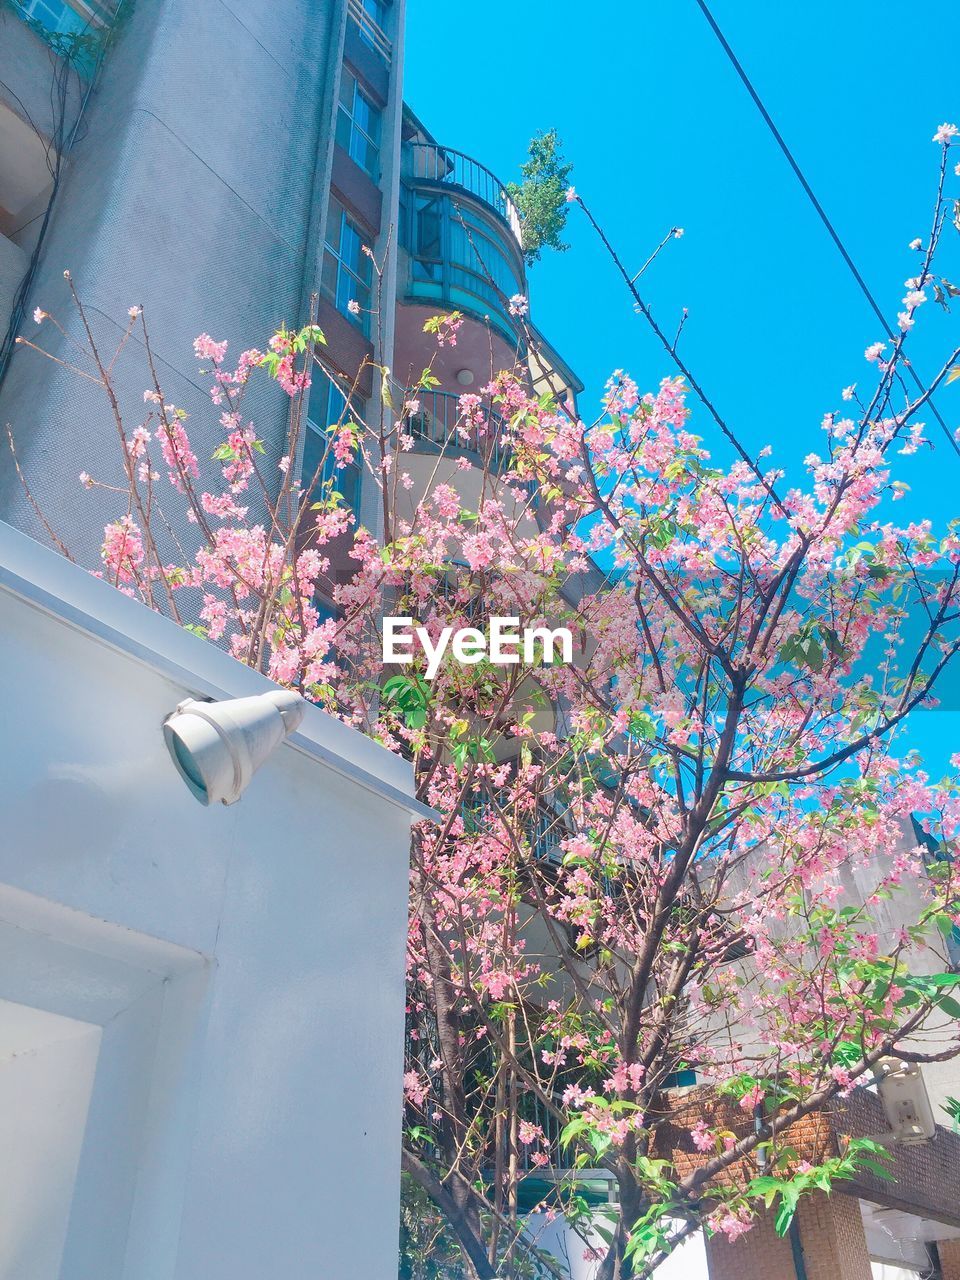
541,196
638,863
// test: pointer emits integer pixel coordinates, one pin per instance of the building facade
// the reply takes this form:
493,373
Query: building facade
223,166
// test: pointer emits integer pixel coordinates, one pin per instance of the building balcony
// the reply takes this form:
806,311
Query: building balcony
441,441
462,234
438,426
370,31
433,164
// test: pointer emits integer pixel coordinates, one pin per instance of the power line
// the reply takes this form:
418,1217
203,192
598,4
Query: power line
819,207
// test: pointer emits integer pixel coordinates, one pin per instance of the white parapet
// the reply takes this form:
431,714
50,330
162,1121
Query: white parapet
212,999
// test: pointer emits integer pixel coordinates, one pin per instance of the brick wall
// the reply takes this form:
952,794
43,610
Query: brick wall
832,1236
926,1177
759,1255
949,1251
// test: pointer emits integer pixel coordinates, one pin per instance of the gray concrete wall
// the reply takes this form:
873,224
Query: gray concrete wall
191,191
13,264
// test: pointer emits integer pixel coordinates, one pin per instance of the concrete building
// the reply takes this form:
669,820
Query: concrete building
222,165
225,163
201,1009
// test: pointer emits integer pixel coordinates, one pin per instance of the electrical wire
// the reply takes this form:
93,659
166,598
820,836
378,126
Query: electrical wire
834,235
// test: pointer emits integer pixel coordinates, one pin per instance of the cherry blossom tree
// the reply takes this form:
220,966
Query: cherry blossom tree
639,859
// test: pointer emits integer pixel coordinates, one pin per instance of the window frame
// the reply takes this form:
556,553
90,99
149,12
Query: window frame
362,289
355,129
316,423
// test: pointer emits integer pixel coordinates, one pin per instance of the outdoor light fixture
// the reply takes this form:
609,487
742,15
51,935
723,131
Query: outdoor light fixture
905,1103
465,377
218,746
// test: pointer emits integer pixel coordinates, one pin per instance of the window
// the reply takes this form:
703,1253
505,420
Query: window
683,1079
459,258
347,271
327,407
61,17
427,231
358,125
376,12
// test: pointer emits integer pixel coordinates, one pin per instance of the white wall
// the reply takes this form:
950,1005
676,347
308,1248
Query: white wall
235,973
908,905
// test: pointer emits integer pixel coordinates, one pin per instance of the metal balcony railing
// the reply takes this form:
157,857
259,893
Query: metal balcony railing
432,163
438,421
370,30
537,1112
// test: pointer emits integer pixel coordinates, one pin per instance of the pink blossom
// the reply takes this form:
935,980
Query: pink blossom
177,453
448,328
703,1139
842,1077
122,551
731,1223
205,348
945,133
528,1133
415,1088
752,1098
574,1096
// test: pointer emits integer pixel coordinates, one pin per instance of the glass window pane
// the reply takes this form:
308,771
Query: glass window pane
368,116
346,272
328,276
350,246
348,87
314,449
327,407
335,216
347,482
344,129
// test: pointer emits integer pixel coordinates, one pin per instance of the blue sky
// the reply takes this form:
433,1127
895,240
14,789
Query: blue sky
661,132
